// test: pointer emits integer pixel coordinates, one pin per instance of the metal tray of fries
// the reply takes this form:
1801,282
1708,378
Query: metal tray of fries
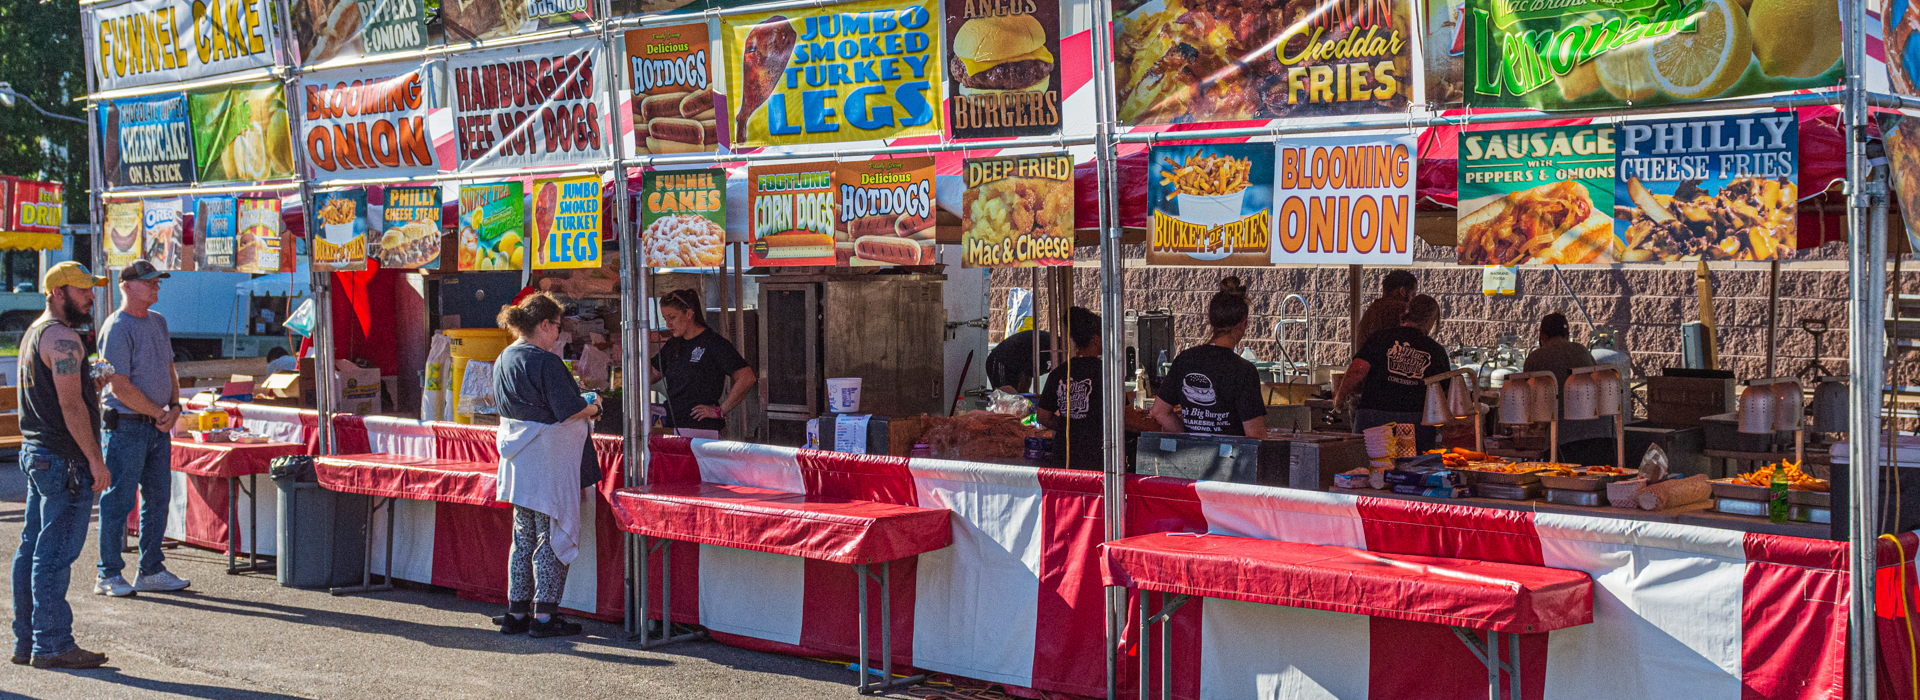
1728,488
1476,476
1583,481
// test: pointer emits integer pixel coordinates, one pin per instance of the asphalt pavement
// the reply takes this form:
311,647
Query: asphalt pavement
248,637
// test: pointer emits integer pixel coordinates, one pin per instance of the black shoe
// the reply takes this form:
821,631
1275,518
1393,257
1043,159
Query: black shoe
555,626
513,625
75,659
21,659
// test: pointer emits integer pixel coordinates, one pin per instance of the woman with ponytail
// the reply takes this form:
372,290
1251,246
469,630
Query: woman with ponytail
1208,388
697,364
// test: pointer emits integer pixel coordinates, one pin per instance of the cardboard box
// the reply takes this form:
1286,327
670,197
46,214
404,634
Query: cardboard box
356,390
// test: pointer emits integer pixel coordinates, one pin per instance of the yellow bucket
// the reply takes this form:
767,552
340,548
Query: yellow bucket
482,344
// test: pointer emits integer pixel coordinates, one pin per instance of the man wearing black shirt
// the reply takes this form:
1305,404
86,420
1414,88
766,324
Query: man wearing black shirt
1391,370
1070,402
1010,365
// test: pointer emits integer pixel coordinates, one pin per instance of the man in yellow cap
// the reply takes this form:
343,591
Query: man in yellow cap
60,424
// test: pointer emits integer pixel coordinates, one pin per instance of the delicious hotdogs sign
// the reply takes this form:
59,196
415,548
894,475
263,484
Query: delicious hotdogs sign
368,121
673,97
886,213
145,42
533,105
862,70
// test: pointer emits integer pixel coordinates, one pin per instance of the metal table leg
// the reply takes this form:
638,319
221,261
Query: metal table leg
233,529
252,492
1488,652
887,681
366,571
1168,606
645,636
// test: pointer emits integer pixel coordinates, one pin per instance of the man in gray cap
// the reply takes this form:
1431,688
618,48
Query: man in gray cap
141,403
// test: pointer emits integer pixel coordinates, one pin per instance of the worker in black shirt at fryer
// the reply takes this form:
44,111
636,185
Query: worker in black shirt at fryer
1010,364
1208,388
1391,371
1070,400
697,363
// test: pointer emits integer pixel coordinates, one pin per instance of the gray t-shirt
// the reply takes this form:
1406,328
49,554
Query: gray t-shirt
140,349
1562,356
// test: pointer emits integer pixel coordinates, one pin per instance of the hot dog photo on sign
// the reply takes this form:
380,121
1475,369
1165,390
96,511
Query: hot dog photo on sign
674,106
886,213
793,214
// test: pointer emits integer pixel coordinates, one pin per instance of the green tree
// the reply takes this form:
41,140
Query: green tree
42,54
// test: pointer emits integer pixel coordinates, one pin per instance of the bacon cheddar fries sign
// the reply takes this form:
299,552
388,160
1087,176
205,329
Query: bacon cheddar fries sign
531,105
146,42
566,223
1017,211
368,122
794,211
852,72
1212,204
1345,201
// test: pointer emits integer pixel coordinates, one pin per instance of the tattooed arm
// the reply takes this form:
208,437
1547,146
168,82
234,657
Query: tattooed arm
60,348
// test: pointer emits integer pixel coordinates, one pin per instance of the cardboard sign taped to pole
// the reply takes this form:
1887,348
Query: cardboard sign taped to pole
368,122
541,104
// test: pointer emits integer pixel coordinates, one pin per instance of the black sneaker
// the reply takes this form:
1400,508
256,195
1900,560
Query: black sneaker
555,626
513,625
76,659
21,659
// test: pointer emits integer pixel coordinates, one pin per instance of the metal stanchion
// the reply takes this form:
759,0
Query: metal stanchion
633,334
1867,244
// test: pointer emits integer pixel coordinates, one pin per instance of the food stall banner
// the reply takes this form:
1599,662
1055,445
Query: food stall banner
1017,211
1207,61
339,230
1212,205
529,105
146,42
1003,70
1444,45
1899,20
410,228
147,141
1344,200
1582,54
886,212
1903,163
368,122
217,221
161,221
566,223
1537,196
493,227
472,20
674,105
850,72
330,29
126,235
240,134
794,211
37,207
1713,188
262,237
683,217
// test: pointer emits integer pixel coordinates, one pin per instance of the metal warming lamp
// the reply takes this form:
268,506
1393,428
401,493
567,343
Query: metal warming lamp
1451,400
1533,397
1770,405
1601,384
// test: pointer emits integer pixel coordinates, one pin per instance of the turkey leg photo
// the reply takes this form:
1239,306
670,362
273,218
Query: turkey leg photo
769,48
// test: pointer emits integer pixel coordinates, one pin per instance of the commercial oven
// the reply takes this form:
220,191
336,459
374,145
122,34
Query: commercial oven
886,329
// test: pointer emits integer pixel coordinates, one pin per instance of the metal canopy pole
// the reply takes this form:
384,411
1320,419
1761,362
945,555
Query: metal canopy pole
1867,249
633,338
1112,332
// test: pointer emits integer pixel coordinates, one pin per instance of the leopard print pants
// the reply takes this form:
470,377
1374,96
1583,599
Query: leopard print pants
534,573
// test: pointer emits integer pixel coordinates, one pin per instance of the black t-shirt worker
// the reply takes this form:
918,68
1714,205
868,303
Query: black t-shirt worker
1009,365
1208,388
1395,291
1391,370
697,362
1070,399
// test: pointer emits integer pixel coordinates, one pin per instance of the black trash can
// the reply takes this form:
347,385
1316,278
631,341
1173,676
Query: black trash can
323,534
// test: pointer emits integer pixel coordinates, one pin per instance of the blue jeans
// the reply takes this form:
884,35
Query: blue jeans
50,540
1425,437
138,456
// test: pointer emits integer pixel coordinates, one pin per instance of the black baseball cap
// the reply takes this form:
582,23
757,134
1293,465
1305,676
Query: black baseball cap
141,270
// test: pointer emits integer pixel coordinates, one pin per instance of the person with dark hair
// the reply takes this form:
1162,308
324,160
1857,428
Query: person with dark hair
1391,370
697,362
279,360
1208,388
1070,400
1395,291
1587,442
1009,364
545,462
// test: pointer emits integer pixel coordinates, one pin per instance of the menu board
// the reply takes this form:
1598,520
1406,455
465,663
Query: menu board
1573,54
566,223
147,42
1205,61
1537,196
493,227
1003,74
886,213
38,207
340,230
1344,200
1017,211
793,214
125,241
329,29
147,141
683,217
161,221
1718,188
674,105
849,72
217,221
410,228
472,20
240,134
368,122
552,110
1212,205
262,237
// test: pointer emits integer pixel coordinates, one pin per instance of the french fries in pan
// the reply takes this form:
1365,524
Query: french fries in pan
1206,175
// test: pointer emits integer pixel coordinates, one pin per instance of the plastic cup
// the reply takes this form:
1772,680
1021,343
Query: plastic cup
843,395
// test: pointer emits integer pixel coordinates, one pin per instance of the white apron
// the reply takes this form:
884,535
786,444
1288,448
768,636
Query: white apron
540,471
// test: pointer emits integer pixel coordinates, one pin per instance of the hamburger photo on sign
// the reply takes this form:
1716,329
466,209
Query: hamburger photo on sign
1002,67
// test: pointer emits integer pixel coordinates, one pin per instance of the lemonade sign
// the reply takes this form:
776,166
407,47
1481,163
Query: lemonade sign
493,227
1583,54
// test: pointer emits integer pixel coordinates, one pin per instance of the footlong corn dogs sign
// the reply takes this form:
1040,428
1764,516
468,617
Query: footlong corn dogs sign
146,42
862,70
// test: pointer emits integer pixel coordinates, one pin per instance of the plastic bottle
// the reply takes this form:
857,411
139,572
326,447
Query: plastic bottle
1777,496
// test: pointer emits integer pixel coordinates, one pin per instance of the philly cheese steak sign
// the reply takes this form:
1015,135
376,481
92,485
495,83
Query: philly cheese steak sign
531,105
165,41
372,120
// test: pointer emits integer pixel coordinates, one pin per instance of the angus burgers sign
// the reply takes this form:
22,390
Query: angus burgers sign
1003,71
